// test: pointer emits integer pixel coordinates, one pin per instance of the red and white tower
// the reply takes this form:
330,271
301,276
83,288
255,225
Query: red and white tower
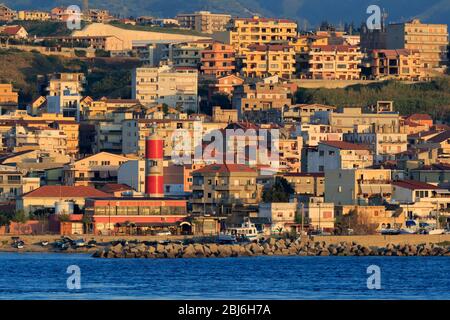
154,175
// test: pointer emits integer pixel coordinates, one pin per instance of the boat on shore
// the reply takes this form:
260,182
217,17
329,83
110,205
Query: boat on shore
245,232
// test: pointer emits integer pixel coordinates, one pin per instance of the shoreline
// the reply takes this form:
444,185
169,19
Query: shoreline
189,247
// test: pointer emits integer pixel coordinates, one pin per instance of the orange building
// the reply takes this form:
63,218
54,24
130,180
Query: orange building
7,95
218,60
225,85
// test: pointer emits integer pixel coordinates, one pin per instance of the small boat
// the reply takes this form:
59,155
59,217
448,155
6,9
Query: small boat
247,231
437,231
386,232
44,243
226,238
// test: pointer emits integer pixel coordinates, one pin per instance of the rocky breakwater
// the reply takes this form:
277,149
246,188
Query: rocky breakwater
272,247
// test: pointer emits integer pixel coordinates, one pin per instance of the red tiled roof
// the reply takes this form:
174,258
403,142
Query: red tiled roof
11,30
414,185
419,116
225,168
66,192
343,145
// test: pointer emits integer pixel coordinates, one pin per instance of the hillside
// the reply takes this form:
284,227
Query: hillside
311,11
106,77
427,97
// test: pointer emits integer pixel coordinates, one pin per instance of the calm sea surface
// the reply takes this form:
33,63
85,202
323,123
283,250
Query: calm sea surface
43,276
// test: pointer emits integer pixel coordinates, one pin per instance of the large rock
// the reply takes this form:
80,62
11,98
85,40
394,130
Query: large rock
117,248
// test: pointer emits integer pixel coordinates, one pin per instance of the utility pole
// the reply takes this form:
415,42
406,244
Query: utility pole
303,219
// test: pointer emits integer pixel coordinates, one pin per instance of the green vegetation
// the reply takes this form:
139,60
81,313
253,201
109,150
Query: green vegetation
280,191
423,97
105,77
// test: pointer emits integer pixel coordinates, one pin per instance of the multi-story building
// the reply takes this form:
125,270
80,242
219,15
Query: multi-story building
218,188
306,183
338,155
267,60
97,16
135,131
261,96
65,93
303,113
33,15
6,14
335,62
108,135
68,126
218,60
385,146
99,42
400,64
358,186
320,214
431,40
187,54
203,21
14,183
22,138
346,120
96,170
243,32
172,86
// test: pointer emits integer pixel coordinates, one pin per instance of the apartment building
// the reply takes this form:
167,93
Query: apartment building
399,64
242,32
23,138
203,21
358,186
335,62
108,133
320,214
172,86
290,154
306,183
385,146
65,93
96,170
338,155
14,183
312,134
346,120
187,54
431,40
260,96
34,15
7,14
303,113
218,188
268,60
97,16
135,131
218,60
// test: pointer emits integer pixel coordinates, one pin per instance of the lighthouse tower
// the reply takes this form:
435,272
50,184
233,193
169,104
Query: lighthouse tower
154,156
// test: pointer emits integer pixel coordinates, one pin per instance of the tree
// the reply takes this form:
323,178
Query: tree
280,191
222,100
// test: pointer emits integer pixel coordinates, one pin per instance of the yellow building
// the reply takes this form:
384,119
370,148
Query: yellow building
218,188
335,62
96,170
7,95
269,60
243,32
431,40
400,64
33,15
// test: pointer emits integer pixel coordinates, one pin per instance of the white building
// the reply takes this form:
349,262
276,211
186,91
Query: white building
176,87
